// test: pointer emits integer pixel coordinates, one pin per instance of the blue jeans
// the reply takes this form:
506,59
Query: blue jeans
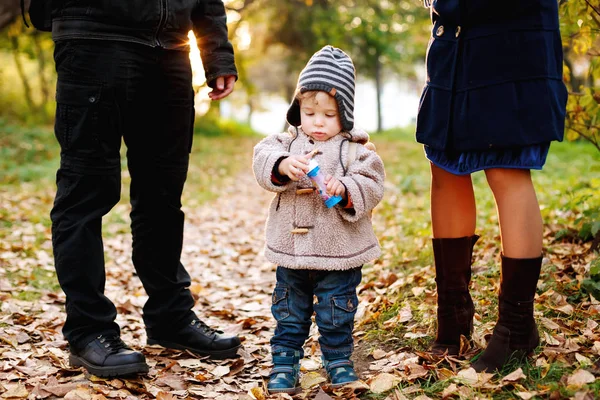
335,309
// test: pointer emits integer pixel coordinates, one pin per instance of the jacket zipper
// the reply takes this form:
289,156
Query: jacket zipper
161,21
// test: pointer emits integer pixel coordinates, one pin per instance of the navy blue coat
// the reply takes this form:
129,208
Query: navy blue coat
494,75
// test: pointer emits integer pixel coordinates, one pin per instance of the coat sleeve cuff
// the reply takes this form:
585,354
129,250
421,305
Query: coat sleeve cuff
277,178
356,211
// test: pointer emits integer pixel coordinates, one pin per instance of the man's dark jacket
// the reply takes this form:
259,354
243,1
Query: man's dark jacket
156,23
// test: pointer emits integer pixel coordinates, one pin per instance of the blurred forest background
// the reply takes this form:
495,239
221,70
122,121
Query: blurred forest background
273,39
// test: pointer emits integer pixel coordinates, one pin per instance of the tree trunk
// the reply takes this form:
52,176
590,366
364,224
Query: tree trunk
41,58
250,110
21,71
378,90
575,81
289,91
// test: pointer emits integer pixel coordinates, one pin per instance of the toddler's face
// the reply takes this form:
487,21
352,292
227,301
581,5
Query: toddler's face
319,116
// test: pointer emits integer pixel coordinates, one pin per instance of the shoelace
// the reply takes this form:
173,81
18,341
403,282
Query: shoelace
201,325
112,343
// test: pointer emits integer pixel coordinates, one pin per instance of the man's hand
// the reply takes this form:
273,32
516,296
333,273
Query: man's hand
335,187
223,87
294,167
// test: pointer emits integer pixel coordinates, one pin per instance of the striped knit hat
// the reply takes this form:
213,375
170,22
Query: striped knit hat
329,70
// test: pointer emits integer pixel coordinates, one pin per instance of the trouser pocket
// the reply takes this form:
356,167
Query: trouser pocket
86,127
280,307
343,310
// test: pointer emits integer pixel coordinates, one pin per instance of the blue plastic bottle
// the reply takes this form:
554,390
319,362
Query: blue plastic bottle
316,175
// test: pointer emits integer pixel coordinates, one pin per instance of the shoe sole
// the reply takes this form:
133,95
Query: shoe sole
339,385
214,354
109,372
286,391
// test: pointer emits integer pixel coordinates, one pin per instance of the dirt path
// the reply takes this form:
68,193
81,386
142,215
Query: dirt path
232,282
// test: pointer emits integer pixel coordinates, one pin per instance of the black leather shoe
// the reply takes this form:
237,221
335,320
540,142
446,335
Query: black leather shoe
201,339
108,356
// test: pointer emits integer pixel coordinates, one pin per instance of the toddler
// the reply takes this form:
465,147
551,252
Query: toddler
319,250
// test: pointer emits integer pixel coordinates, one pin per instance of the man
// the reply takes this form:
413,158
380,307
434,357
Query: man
124,72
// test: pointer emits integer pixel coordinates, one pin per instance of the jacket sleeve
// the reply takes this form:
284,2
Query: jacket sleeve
210,27
364,184
266,154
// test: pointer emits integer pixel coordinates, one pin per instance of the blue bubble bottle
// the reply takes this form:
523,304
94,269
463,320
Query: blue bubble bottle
318,178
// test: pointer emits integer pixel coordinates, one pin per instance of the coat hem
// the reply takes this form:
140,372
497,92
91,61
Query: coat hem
322,263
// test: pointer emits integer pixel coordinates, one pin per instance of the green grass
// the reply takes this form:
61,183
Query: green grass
27,154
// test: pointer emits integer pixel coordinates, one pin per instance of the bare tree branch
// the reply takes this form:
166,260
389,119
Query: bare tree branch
586,136
592,7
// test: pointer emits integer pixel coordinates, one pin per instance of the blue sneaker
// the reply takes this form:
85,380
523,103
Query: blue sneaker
284,375
340,372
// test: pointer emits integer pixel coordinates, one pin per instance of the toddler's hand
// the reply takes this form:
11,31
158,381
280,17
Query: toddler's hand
335,187
294,167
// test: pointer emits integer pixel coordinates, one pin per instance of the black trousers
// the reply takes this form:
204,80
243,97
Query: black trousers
109,91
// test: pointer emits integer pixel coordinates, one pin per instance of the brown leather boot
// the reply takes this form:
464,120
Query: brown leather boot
455,307
515,334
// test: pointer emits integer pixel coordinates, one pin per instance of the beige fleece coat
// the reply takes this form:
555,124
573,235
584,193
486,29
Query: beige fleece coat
338,238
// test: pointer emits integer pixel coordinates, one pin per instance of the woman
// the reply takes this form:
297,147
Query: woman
494,100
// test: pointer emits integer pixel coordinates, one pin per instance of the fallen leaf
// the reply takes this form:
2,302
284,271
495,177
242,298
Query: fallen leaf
311,379
16,392
549,324
165,396
189,363
383,382
309,364
405,314
444,373
220,371
321,395
551,340
526,395
357,386
378,354
415,371
580,377
514,376
257,393
451,389
566,308
468,375
596,347
582,359
79,394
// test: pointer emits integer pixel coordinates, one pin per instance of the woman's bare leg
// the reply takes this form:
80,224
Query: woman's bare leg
518,210
452,204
